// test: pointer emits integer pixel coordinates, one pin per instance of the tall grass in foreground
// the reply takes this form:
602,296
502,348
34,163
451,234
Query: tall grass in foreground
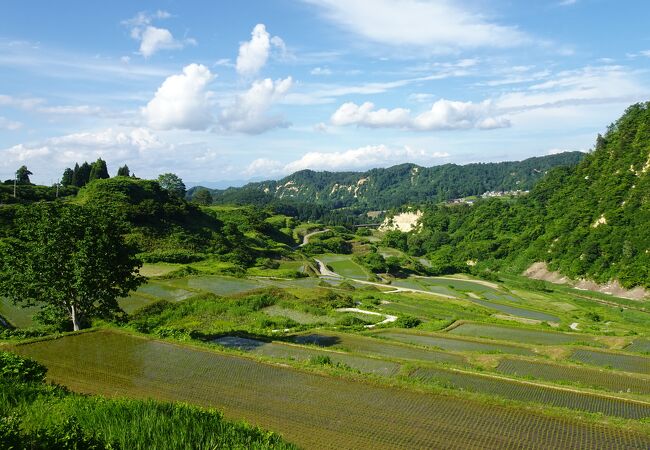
130,424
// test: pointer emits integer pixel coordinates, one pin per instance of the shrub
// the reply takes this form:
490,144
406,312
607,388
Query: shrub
407,322
171,256
16,368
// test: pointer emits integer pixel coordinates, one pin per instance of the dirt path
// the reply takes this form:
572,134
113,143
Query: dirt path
305,238
388,317
324,271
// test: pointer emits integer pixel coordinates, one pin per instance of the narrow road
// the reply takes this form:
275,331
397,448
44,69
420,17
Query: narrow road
325,272
388,317
305,238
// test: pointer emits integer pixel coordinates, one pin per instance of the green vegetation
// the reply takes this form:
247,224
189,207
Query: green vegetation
70,260
585,221
34,415
292,401
393,187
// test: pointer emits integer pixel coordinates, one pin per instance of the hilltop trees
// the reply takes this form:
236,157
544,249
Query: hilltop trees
22,175
70,260
172,184
98,170
124,171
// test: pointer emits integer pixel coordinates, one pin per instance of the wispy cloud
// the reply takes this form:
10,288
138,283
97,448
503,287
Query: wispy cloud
435,25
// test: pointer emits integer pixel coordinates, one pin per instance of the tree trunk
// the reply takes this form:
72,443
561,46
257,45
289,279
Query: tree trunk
75,319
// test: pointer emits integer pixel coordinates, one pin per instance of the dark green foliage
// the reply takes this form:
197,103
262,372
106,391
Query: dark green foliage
29,193
67,177
17,369
22,175
124,171
172,184
588,221
406,322
171,256
98,170
202,197
81,174
393,187
69,259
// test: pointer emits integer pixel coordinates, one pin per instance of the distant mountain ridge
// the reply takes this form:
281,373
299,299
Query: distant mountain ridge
395,186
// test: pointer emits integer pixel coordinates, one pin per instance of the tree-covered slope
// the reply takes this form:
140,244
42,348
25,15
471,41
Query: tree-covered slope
591,221
398,185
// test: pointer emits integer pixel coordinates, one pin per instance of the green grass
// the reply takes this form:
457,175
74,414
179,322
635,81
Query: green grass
527,392
523,335
311,410
580,375
299,316
131,424
627,363
453,344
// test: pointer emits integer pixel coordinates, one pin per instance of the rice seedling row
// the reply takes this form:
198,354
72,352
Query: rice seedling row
585,376
523,335
515,311
627,363
452,344
528,392
639,346
292,352
310,410
379,347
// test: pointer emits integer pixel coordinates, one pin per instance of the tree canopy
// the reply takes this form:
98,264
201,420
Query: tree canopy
172,183
70,260
22,175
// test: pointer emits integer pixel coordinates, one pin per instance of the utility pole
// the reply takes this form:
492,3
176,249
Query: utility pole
57,188
15,180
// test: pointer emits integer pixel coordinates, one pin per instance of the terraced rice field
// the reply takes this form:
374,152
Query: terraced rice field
452,344
517,334
585,376
219,285
639,346
299,316
378,347
309,410
344,266
516,311
296,353
527,392
164,291
627,363
17,315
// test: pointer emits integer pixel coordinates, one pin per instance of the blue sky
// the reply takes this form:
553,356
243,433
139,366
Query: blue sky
221,91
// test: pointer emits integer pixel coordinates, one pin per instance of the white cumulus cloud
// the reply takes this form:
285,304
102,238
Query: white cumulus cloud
183,101
443,115
253,54
153,39
249,111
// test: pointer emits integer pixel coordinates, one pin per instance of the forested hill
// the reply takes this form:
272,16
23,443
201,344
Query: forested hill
591,221
397,185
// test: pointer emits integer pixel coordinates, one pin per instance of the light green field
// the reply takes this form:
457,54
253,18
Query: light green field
344,266
307,409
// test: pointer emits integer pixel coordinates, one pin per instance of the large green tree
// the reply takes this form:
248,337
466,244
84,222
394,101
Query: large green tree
172,183
68,259
123,171
22,175
98,170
